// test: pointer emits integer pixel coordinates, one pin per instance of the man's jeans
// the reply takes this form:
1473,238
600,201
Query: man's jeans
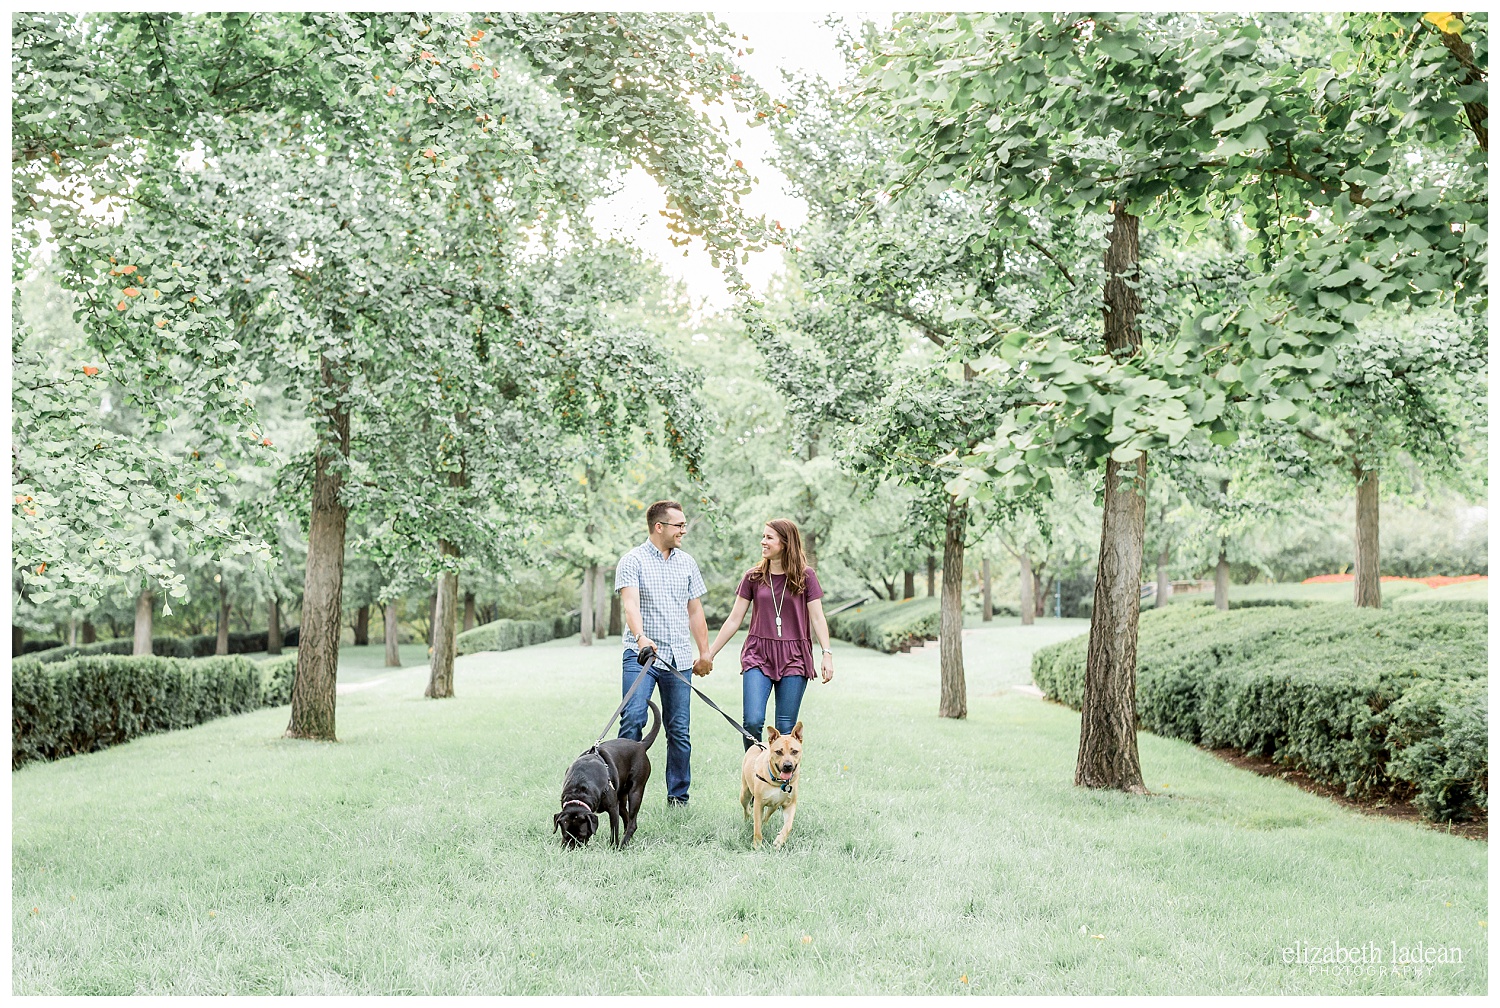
756,691
676,706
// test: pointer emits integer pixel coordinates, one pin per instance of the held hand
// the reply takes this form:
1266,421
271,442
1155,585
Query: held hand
643,645
828,668
702,667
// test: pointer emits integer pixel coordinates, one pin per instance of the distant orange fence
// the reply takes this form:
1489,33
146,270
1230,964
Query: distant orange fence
1431,582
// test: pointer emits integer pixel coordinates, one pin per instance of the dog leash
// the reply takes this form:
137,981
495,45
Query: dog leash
709,700
777,782
646,659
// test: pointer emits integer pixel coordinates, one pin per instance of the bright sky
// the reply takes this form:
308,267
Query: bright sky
795,41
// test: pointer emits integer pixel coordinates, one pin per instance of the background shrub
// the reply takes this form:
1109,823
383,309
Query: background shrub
885,626
1327,689
506,634
201,646
95,701
276,679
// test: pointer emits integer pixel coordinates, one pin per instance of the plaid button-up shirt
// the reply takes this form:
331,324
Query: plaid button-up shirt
666,585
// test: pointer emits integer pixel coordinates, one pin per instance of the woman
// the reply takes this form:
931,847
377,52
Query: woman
777,656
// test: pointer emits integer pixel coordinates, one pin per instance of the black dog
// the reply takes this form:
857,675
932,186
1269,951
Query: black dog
611,777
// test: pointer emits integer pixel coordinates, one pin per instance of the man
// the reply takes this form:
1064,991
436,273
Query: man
661,591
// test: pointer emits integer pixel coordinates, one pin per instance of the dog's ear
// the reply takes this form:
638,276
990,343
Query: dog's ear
556,821
772,734
594,822
797,732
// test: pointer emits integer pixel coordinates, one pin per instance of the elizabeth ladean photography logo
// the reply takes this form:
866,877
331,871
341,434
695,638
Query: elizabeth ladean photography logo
1391,958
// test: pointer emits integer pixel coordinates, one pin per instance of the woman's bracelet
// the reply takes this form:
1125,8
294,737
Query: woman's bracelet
827,651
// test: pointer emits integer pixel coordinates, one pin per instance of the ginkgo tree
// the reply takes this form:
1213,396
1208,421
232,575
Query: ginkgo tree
1351,148
383,121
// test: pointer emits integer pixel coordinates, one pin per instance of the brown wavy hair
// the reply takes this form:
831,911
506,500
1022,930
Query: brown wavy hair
793,560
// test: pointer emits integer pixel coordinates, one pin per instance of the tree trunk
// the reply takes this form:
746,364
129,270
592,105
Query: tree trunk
1221,577
1042,591
615,616
586,607
1366,537
90,635
314,688
810,537
1163,583
1477,111
601,602
432,617
143,604
931,575
1107,754
392,634
221,646
984,577
72,631
17,639
273,626
468,611
908,584
445,629
1028,585
953,701
362,626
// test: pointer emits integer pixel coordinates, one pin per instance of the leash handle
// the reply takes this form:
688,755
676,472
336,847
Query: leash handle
646,659
706,699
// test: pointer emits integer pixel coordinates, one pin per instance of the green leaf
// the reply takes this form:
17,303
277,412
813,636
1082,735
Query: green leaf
1280,409
1203,101
1244,115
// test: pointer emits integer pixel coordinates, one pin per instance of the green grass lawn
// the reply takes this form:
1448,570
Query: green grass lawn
929,856
1339,591
1464,591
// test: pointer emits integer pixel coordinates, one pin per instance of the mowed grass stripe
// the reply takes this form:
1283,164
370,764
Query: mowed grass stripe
415,856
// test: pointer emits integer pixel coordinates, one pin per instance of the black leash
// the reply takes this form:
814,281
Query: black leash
708,700
784,785
645,659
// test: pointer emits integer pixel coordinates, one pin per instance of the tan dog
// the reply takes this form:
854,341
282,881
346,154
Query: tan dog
768,780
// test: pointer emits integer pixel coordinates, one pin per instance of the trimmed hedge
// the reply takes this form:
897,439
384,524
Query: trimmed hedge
276,679
885,626
1382,702
506,634
40,644
1259,603
93,702
201,646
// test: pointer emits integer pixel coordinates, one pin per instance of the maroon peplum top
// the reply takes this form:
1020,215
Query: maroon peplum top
791,652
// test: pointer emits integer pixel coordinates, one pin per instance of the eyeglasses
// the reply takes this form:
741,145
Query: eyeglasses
681,524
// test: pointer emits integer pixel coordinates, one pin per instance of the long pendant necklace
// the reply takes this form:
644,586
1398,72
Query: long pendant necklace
777,605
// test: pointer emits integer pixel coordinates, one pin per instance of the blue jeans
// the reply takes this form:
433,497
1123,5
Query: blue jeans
676,706
757,691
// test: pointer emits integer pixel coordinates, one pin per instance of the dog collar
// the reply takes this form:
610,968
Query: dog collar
575,801
785,785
